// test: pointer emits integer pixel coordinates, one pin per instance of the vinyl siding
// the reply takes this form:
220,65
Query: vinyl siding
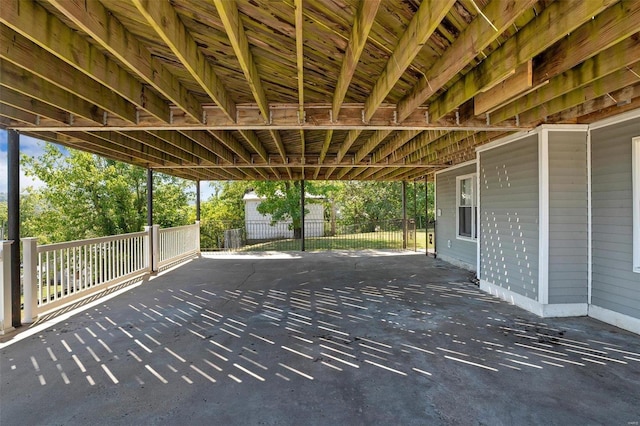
614,284
568,205
509,216
461,250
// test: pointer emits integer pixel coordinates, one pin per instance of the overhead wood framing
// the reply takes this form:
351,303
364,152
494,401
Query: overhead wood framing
301,89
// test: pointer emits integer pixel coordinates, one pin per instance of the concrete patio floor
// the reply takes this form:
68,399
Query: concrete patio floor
318,339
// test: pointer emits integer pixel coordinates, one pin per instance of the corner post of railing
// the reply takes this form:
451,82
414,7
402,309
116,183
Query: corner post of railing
198,238
155,248
30,284
5,287
148,250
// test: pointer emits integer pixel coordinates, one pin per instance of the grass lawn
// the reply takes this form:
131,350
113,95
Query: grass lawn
360,241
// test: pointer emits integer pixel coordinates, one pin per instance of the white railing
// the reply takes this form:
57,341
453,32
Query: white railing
56,274
62,273
177,243
5,288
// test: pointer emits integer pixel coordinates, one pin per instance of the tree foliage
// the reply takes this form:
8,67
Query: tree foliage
88,196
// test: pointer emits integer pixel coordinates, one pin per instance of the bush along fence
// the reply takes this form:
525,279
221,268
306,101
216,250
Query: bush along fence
54,275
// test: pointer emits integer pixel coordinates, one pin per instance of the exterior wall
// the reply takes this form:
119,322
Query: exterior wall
568,217
459,252
615,287
258,226
509,216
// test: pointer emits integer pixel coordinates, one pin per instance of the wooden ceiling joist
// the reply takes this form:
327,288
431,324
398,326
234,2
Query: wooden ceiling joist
555,22
304,89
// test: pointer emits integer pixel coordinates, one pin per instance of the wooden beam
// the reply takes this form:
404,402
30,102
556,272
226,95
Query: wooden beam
173,148
31,85
500,14
517,84
235,31
230,142
600,87
17,114
92,18
359,33
555,22
42,28
422,25
34,106
27,55
165,21
210,143
372,143
398,141
606,62
299,55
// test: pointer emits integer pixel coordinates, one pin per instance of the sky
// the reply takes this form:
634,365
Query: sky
34,147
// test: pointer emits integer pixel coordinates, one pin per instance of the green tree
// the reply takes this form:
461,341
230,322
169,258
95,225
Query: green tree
88,196
224,210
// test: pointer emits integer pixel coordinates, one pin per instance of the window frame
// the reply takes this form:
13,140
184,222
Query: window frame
474,207
635,189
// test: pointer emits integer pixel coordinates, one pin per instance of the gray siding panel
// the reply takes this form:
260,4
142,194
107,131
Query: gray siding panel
614,284
509,215
460,250
568,204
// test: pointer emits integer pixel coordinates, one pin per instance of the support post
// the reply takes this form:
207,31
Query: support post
404,214
302,248
198,200
149,197
30,268
198,238
426,214
5,287
415,216
13,207
155,248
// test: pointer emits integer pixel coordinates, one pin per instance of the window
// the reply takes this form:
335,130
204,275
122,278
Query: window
466,207
635,158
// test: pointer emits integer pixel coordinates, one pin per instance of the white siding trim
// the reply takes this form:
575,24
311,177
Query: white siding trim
457,166
507,140
478,274
614,318
543,211
540,309
630,115
635,172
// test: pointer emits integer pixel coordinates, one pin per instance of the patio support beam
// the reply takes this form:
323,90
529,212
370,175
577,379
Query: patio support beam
13,207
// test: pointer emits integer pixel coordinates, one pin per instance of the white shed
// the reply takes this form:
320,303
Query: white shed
259,227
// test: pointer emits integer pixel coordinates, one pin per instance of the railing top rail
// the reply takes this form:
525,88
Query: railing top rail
178,228
80,243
